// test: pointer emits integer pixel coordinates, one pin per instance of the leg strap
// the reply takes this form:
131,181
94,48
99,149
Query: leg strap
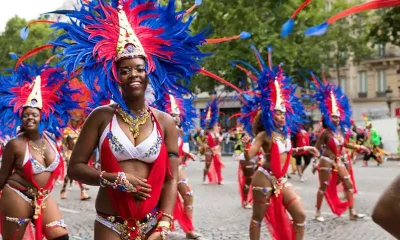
57,223
255,224
18,221
189,206
264,190
346,177
300,224
292,200
184,181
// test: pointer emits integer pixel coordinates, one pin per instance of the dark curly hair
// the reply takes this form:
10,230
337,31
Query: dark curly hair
257,124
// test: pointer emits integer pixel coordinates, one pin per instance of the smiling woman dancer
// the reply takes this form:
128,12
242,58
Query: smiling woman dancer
336,111
125,45
33,99
274,111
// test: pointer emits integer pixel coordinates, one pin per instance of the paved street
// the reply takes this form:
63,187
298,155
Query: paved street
218,214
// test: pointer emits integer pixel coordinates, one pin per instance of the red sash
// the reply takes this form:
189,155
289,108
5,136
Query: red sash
331,194
28,172
124,203
277,220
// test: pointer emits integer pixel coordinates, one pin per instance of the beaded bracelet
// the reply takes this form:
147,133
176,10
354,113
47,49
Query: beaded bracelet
168,216
122,184
104,182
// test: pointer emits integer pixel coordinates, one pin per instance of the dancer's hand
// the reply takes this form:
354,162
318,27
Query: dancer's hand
143,189
365,149
246,140
193,157
312,150
314,166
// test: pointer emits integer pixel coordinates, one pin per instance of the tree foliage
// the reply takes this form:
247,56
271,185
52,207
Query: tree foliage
10,41
386,28
264,20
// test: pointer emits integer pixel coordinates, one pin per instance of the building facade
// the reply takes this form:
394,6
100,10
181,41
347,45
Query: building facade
373,85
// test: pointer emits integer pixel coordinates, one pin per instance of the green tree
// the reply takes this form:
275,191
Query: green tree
386,28
11,41
264,20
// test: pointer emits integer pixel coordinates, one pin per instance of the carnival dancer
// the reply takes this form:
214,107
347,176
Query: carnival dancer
274,110
71,132
184,114
70,136
373,141
336,111
237,137
245,174
35,100
213,162
301,139
124,46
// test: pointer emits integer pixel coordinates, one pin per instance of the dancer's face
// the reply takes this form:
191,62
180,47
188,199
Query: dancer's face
75,122
133,77
335,120
30,119
279,118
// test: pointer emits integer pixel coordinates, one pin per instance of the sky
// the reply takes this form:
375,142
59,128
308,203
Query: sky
28,9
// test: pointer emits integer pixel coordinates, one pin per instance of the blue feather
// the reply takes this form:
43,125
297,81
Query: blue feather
24,33
198,2
317,30
287,28
13,55
245,35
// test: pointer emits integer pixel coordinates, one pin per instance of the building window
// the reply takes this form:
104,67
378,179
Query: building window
363,82
343,84
328,5
381,81
381,50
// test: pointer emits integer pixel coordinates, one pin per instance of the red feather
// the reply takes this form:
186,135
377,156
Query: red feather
218,78
303,5
376,4
31,53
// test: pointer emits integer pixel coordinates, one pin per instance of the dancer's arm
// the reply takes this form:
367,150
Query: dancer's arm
357,147
250,152
8,161
387,211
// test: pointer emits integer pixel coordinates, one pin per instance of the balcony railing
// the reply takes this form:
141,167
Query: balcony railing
362,95
380,94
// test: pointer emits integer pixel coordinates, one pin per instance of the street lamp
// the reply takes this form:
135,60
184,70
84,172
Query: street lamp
388,94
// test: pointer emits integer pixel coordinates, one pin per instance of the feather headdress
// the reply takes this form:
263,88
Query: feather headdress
272,91
102,32
332,102
180,106
42,87
210,115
